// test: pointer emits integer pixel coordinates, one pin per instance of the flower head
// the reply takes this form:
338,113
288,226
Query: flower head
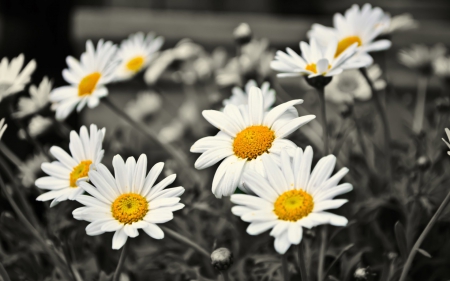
36,126
242,34
128,201
421,57
246,133
66,174
87,79
11,79
145,104
441,67
292,197
39,98
30,169
3,127
240,97
136,53
401,22
222,259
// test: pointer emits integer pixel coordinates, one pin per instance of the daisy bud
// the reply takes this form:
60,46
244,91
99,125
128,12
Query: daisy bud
242,34
318,82
422,163
222,259
361,273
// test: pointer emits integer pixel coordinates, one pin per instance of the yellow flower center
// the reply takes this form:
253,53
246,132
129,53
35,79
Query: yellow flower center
253,141
79,171
88,83
311,67
135,64
129,208
293,205
347,42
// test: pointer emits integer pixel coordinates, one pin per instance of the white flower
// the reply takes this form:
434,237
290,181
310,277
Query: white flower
145,104
87,79
291,198
401,22
36,127
3,127
30,168
441,67
39,98
421,57
129,201
66,174
246,133
239,97
136,53
447,131
314,61
357,26
11,79
351,85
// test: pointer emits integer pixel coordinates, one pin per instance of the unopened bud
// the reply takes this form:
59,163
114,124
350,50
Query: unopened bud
242,34
222,259
361,273
318,82
423,163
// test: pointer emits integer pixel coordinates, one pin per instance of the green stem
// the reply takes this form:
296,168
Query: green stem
226,275
187,241
323,245
419,110
321,92
301,262
422,236
121,262
285,267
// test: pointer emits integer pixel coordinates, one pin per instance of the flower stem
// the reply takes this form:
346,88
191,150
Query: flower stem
323,245
419,110
422,236
121,262
186,241
302,262
226,276
285,267
321,92
10,155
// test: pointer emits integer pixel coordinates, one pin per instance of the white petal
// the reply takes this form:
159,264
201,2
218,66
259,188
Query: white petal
256,228
154,231
119,239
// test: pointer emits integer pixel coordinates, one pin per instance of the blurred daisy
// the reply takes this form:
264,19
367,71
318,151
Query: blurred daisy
357,26
239,97
291,198
3,127
441,67
87,79
39,98
66,174
145,104
30,168
314,61
447,131
36,127
351,85
135,54
129,201
246,133
11,79
401,22
421,57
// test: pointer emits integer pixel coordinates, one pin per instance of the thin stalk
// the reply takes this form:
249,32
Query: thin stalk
336,260
323,245
302,262
3,274
226,275
10,155
419,110
186,241
321,92
422,237
285,267
121,262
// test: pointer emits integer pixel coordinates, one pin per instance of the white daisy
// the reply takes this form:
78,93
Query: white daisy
291,198
39,98
129,201
314,61
246,133
87,79
421,57
66,174
36,126
30,168
3,127
145,104
240,97
356,26
135,54
441,67
11,79
401,22
447,131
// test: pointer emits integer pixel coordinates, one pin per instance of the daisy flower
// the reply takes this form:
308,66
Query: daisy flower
246,133
135,54
36,126
421,57
356,26
441,67
11,79
292,197
66,174
129,201
314,61
87,79
29,169
39,98
240,97
447,131
401,22
3,127
146,103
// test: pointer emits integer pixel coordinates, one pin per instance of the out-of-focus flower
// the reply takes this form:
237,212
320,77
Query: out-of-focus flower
87,79
39,98
30,168
361,273
136,53
447,131
246,133
66,174
401,22
351,85
441,67
292,198
240,97
3,127
36,127
222,259
145,104
129,201
356,26
11,79
314,61
242,34
421,57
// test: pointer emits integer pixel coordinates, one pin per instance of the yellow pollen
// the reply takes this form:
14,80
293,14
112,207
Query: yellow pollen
253,141
135,64
79,171
88,83
311,67
129,208
293,205
345,43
